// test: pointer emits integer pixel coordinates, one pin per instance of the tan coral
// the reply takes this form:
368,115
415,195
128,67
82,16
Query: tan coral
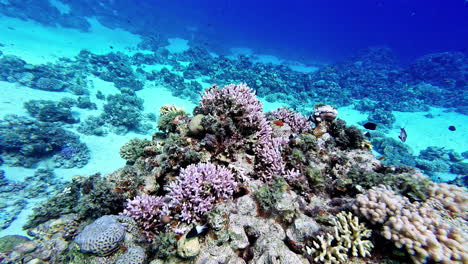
325,252
425,229
170,108
352,233
452,197
348,235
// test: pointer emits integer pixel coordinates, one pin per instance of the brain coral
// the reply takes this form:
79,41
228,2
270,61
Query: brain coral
134,255
101,237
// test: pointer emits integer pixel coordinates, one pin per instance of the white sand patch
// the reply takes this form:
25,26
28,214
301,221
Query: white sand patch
424,131
267,58
270,106
62,7
177,45
16,227
351,115
157,96
154,67
302,68
38,44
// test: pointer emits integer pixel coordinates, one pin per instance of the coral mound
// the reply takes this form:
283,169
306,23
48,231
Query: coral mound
424,229
101,237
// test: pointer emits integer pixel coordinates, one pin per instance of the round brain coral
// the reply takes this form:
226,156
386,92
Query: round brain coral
102,236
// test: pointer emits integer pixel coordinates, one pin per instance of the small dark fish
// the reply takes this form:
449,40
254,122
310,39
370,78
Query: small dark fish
452,128
111,47
403,134
197,231
370,126
367,134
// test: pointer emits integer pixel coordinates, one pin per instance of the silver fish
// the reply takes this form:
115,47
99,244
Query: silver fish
403,134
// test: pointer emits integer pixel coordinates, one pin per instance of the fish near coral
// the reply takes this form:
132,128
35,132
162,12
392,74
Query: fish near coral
278,123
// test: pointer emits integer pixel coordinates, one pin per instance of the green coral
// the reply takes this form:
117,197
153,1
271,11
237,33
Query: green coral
165,245
89,197
401,179
269,195
178,153
348,237
347,137
314,176
166,121
134,149
7,243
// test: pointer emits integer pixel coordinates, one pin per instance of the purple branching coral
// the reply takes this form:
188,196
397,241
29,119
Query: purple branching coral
268,152
198,188
147,210
297,122
236,101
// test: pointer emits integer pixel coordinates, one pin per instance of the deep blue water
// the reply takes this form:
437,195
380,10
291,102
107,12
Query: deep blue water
321,30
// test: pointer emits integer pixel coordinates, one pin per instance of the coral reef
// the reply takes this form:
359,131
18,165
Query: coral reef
133,149
266,187
50,111
89,198
148,211
297,122
123,111
25,142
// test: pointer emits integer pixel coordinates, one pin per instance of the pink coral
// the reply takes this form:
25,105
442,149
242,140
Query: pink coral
236,101
268,152
297,122
198,188
147,211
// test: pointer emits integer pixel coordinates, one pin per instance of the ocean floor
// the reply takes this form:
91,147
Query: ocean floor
38,44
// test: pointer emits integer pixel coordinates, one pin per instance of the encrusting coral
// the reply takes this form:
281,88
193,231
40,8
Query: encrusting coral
348,236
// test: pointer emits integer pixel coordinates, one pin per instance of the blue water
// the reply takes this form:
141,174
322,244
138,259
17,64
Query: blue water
328,30
79,79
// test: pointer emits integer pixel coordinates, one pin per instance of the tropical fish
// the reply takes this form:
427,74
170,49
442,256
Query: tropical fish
403,134
197,231
452,128
278,123
370,126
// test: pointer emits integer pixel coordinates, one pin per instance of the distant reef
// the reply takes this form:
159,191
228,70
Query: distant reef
229,183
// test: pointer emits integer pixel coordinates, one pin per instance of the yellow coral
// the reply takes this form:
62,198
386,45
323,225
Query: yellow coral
365,144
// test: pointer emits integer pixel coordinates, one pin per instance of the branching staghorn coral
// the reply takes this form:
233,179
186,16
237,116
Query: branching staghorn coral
296,121
198,188
148,211
348,235
426,229
235,101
